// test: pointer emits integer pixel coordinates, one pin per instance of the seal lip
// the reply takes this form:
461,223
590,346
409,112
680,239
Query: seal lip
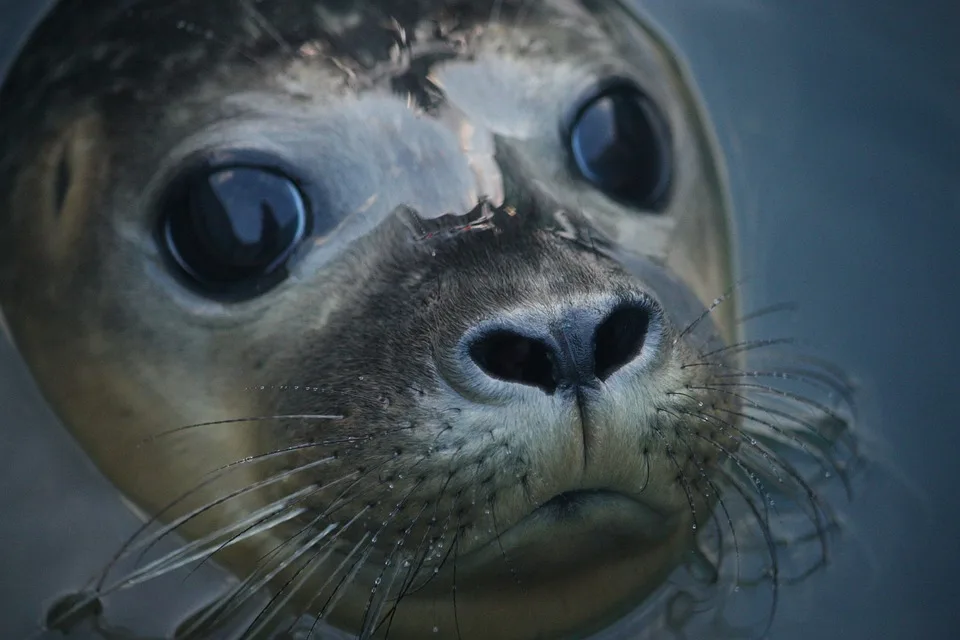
599,512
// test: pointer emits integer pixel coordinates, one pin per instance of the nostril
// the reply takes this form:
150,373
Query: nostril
515,358
619,339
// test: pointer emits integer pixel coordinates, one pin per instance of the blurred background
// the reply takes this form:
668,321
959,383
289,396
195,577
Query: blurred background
841,129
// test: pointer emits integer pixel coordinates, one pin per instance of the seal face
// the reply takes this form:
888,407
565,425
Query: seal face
401,310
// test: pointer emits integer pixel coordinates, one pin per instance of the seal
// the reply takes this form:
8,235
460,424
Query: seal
410,314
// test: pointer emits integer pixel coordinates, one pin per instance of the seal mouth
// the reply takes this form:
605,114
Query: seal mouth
570,534
571,504
588,516
601,511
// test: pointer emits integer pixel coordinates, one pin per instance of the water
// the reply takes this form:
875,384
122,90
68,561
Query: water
841,130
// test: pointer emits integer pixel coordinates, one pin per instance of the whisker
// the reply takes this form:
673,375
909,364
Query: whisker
773,461
155,569
758,486
496,529
384,597
797,375
307,493
645,452
716,303
128,546
823,457
410,574
746,345
365,622
749,402
791,435
456,554
771,553
668,449
767,311
443,529
233,602
213,423
829,381
818,514
343,563
749,317
179,522
716,490
774,391
377,620
347,579
298,579
185,556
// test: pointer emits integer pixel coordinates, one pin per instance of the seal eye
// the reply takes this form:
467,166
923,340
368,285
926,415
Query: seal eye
232,227
620,144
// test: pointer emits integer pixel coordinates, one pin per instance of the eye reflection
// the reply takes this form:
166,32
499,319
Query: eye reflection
231,227
620,144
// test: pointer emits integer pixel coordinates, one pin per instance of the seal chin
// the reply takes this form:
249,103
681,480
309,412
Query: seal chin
578,561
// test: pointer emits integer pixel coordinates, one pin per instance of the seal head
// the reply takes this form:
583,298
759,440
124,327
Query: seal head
399,309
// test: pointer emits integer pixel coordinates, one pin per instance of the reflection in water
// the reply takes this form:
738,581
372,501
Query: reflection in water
464,379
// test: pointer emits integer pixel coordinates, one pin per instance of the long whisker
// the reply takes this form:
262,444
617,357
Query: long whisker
208,479
455,545
746,345
366,621
412,568
302,496
179,522
215,474
228,606
750,402
772,460
297,580
825,379
767,311
214,423
772,554
811,378
716,490
668,449
252,526
730,455
343,563
165,565
823,457
767,389
716,303
347,579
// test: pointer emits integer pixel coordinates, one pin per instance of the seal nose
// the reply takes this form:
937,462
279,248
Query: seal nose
579,348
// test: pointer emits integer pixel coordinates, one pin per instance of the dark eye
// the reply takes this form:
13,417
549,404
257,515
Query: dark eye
621,144
232,229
